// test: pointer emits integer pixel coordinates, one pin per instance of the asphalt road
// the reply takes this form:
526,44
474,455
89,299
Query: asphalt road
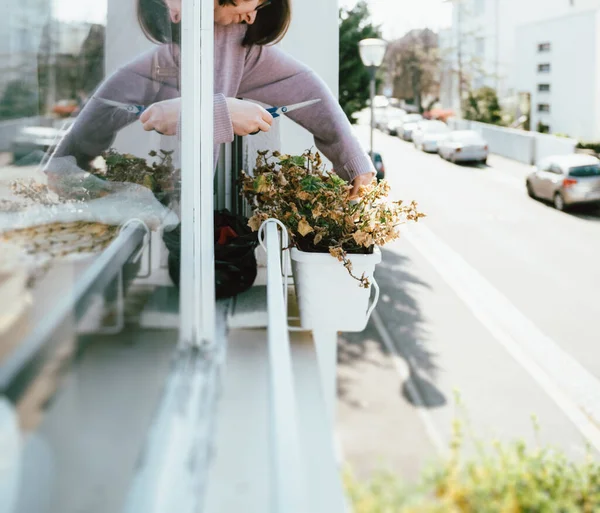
494,296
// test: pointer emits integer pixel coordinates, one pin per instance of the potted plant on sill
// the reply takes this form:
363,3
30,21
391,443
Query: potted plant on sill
334,240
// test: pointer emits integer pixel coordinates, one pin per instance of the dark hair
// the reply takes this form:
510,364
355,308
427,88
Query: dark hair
270,25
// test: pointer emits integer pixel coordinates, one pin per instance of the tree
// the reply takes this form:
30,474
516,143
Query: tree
483,105
19,100
354,78
412,64
463,56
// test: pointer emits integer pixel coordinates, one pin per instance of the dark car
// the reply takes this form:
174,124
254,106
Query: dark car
379,167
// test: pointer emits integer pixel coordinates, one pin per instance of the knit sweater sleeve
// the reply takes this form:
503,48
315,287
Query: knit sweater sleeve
273,77
98,123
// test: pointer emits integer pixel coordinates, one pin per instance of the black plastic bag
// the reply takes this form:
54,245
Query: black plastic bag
235,262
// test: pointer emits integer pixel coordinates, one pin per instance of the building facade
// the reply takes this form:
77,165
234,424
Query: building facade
558,65
481,45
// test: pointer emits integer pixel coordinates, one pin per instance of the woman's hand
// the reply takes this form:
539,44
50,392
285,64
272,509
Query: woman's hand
248,117
162,117
358,182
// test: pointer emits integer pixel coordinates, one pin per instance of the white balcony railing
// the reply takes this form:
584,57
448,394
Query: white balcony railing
289,490
306,475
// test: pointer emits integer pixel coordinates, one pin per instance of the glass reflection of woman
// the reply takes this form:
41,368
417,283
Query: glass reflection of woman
246,65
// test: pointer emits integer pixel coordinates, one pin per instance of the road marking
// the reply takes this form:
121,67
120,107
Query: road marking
572,387
402,369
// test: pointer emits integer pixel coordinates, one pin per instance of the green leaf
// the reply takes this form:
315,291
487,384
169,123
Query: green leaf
311,183
299,161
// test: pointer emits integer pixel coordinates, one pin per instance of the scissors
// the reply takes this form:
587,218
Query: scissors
128,107
278,111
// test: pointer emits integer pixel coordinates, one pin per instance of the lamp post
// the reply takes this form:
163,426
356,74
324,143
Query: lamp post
372,52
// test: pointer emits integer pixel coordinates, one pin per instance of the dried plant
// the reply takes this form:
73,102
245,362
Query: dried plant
315,206
160,177
34,192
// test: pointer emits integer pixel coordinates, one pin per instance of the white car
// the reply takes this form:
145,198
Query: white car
429,134
393,120
409,123
464,146
33,143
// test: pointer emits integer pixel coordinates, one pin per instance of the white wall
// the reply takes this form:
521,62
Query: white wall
574,81
519,145
311,17
124,42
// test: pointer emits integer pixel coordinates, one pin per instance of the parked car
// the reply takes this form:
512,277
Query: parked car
566,180
429,134
379,167
380,107
395,118
33,142
409,123
464,146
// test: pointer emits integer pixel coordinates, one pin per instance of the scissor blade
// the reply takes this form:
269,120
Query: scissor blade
296,106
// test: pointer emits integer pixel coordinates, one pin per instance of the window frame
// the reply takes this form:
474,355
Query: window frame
544,47
544,108
544,67
197,291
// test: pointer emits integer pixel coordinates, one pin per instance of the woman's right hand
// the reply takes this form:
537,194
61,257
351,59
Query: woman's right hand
248,117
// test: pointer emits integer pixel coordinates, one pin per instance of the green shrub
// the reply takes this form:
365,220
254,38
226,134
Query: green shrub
501,478
594,146
482,105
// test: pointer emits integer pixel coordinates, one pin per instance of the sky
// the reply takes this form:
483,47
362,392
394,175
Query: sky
92,11
397,17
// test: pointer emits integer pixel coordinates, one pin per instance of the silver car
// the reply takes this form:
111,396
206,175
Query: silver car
430,133
566,180
464,146
409,123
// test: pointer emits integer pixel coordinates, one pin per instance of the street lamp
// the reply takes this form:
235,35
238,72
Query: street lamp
372,52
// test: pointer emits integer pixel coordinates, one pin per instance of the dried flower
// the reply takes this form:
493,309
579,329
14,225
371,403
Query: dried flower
314,205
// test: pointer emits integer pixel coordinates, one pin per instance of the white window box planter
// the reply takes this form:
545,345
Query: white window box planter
328,297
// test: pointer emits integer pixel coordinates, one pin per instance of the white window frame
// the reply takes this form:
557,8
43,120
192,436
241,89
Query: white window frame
197,289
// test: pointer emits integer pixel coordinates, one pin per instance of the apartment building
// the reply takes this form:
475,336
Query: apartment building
558,66
483,39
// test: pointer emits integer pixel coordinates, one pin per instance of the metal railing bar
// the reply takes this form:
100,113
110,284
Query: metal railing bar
289,490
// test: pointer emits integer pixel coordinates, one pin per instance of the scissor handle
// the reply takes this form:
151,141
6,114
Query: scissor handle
273,111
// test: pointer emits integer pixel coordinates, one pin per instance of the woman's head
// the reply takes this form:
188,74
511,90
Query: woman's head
267,20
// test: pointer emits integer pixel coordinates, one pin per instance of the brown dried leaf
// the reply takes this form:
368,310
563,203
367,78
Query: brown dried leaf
304,228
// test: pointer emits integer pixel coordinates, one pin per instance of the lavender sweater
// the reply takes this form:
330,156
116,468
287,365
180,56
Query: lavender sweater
262,73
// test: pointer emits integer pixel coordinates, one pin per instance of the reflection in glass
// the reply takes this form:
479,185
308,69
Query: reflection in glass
84,190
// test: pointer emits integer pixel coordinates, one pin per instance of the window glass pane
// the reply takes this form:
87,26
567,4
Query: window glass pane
88,178
583,171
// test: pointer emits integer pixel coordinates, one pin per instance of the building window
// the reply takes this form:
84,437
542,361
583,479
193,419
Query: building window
544,88
543,68
544,47
543,107
543,128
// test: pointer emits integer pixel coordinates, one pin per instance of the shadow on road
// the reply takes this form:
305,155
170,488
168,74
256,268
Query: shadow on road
586,212
403,320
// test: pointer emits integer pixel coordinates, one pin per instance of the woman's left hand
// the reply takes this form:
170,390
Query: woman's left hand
358,182
162,117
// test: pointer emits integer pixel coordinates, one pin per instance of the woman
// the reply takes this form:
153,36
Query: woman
245,66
